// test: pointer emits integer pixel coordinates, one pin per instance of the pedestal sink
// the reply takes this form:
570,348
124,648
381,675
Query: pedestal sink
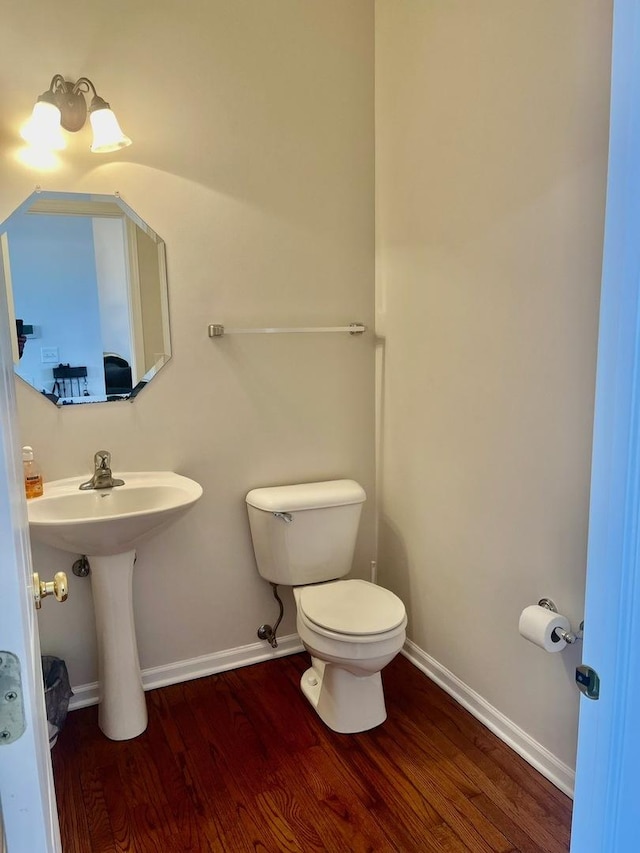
107,525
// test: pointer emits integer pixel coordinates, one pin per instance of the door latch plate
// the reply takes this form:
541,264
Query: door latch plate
588,681
12,721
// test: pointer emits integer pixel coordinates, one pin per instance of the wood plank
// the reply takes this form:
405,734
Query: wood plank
398,805
166,780
454,782
336,802
459,723
537,802
101,838
451,795
71,808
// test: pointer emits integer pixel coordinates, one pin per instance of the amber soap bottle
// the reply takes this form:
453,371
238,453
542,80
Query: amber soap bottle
33,483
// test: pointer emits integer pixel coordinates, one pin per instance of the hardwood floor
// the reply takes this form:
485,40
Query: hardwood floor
240,762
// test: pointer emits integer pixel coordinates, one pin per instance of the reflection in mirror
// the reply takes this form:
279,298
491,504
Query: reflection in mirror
87,287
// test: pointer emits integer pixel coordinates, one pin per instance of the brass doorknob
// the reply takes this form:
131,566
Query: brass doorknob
58,587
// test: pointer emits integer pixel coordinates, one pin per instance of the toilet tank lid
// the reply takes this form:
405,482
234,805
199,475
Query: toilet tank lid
307,496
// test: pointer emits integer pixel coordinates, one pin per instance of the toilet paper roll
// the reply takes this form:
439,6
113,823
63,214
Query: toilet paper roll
538,625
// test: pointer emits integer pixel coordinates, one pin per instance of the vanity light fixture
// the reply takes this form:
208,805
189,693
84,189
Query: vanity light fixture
63,105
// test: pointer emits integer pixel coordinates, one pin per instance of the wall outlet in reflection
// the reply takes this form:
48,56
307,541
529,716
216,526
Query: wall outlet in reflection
49,355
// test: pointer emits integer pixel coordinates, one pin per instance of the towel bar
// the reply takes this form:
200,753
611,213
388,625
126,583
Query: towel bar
217,330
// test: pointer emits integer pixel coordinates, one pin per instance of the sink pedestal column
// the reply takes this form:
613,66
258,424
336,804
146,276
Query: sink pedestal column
123,710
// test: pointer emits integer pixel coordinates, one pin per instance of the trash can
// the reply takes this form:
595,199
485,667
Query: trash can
57,692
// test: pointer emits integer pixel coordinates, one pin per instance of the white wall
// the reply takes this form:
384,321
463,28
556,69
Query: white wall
253,158
491,144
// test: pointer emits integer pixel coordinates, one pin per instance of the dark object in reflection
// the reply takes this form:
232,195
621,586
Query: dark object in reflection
117,375
22,338
67,380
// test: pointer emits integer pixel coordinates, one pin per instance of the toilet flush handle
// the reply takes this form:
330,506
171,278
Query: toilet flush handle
285,516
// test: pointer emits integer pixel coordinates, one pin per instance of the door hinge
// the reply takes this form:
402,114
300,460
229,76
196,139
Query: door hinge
12,722
588,681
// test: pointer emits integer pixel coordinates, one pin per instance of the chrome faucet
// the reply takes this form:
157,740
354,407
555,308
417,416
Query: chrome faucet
102,476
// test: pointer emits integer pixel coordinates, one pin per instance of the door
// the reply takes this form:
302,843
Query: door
606,795
27,798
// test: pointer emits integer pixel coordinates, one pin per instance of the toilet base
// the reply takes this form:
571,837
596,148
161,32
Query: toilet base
346,703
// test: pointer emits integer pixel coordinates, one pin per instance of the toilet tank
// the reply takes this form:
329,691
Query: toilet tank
305,533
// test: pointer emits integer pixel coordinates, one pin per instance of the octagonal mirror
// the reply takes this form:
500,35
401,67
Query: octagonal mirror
87,290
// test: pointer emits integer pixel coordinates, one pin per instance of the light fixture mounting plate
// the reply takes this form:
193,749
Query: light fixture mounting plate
72,105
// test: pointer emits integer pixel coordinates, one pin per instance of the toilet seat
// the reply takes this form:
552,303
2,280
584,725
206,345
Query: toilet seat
351,610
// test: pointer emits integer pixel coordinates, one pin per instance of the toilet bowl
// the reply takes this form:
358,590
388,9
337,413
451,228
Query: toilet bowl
352,629
304,536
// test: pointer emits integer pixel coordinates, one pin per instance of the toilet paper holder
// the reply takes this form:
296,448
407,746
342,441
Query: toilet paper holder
567,636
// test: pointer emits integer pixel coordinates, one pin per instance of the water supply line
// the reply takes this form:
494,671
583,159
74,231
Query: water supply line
266,632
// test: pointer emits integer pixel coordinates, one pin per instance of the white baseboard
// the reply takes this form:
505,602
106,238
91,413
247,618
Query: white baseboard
186,670
560,774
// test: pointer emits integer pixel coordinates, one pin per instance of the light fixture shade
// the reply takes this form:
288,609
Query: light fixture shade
107,134
43,128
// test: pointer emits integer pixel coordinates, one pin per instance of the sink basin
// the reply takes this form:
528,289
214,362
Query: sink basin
107,525
100,522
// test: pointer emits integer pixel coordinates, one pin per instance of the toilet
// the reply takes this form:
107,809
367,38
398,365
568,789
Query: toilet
304,536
